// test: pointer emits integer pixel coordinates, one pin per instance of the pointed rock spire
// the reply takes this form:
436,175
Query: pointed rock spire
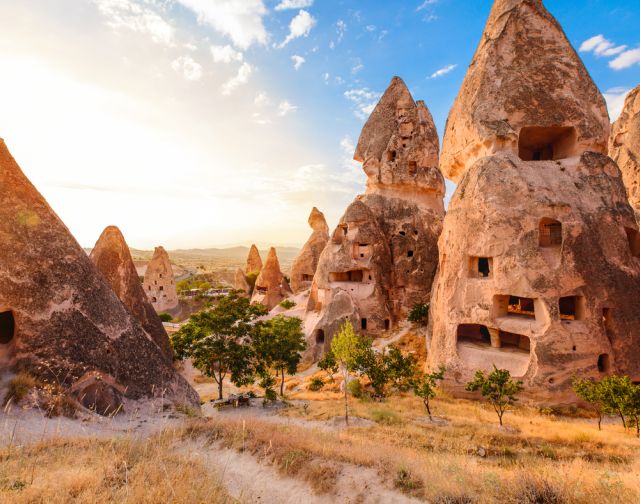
254,261
240,281
159,284
271,286
113,259
305,264
526,91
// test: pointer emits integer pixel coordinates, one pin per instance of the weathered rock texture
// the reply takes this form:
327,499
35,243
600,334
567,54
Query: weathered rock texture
539,248
159,284
271,285
254,261
382,257
305,264
113,259
624,146
240,282
59,318
253,267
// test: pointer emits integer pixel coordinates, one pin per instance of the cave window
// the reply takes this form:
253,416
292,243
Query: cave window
363,324
154,299
402,233
347,276
633,237
545,144
391,155
161,288
320,337
604,363
550,233
571,308
484,268
410,253
474,333
7,327
520,306
387,324
307,278
370,277
480,267
160,275
261,289
413,168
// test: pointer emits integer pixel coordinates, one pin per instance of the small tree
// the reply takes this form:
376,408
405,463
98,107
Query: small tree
633,407
591,392
424,386
328,364
498,388
165,317
419,313
345,346
615,392
384,368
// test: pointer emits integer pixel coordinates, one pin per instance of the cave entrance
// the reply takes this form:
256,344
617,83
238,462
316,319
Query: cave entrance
633,237
550,233
363,324
604,364
320,337
480,267
7,327
571,308
546,144
473,333
346,276
307,278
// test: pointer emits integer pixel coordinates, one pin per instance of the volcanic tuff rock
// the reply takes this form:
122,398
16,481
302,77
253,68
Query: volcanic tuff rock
60,319
624,146
159,284
271,285
539,248
113,259
254,261
524,76
240,281
305,264
383,255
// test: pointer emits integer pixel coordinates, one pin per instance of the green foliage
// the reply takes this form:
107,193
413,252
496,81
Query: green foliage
316,384
419,314
355,388
345,346
386,417
200,281
328,363
424,386
287,304
251,279
384,368
266,383
618,394
498,388
591,392
218,340
165,317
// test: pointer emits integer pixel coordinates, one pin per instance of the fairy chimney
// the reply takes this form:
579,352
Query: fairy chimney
383,254
159,284
271,286
240,282
539,248
59,318
624,146
113,259
254,261
305,264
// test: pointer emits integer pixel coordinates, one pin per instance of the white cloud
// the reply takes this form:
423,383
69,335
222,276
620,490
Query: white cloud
188,67
364,99
261,99
600,46
300,26
425,4
325,77
626,59
615,100
357,68
370,28
293,4
285,107
241,78
298,61
341,29
443,71
225,54
135,16
241,20
258,118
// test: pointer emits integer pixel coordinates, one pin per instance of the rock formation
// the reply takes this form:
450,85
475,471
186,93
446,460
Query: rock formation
113,259
59,319
539,248
254,261
624,146
305,264
242,282
271,285
382,257
159,284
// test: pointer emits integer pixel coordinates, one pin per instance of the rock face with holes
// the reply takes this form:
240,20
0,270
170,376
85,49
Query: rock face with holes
159,284
624,146
539,247
382,257
305,264
271,286
59,318
113,259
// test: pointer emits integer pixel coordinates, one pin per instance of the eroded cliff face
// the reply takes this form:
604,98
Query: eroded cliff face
539,247
305,264
271,286
59,318
382,257
624,146
159,284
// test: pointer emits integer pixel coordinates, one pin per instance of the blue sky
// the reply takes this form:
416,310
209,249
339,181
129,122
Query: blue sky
196,123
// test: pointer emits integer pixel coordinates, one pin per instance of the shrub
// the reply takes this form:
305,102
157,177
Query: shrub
419,314
354,387
316,384
498,388
18,388
165,317
385,417
287,304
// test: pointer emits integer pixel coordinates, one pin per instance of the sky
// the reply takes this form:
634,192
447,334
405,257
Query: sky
208,123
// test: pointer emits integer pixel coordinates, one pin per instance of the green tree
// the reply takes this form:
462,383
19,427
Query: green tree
498,388
218,340
345,346
424,386
277,345
384,368
328,364
165,317
616,394
633,407
419,313
251,280
591,392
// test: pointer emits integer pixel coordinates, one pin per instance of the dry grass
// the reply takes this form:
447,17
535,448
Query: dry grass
116,471
18,388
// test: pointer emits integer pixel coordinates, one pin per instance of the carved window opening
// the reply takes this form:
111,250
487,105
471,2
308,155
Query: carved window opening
413,168
261,289
546,144
604,364
7,327
392,155
361,250
571,308
307,278
154,299
550,233
633,237
410,253
347,276
161,288
402,233
480,267
474,333
514,306
319,337
387,324
363,324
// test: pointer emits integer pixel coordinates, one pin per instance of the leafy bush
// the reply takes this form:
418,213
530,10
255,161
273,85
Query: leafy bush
419,314
385,417
165,317
498,388
287,304
424,386
251,280
316,384
354,387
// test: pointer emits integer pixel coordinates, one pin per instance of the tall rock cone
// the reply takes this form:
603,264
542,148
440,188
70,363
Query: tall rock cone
305,264
624,146
540,247
254,261
271,285
113,259
526,92
382,258
59,319
240,282
159,284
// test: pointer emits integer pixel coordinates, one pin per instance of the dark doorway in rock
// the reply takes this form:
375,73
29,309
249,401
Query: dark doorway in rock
363,324
633,237
410,253
387,324
346,276
154,299
571,308
603,363
391,155
7,327
545,144
307,278
550,233
473,332
413,168
320,337
483,267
